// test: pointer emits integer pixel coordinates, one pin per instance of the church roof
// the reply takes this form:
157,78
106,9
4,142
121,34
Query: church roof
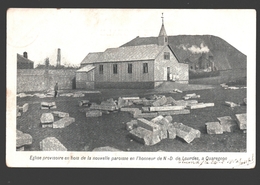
91,57
162,31
130,53
86,68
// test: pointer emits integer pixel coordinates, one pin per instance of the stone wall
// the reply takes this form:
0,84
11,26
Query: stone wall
29,80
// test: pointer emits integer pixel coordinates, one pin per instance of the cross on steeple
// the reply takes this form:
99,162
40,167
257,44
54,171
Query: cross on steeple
162,18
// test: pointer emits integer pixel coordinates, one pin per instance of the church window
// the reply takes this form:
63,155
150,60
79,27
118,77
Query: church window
145,67
166,55
130,67
100,69
114,68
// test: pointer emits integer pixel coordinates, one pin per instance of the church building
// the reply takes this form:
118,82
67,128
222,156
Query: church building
137,66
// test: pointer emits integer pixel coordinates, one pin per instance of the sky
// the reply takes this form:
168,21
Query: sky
40,32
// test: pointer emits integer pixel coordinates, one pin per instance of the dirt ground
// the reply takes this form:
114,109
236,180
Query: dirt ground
85,134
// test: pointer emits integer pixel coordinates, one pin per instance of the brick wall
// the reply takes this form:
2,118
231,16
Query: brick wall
41,79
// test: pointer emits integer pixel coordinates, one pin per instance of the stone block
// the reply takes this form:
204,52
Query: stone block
187,133
131,125
131,110
145,115
145,109
209,104
47,118
25,107
46,125
147,124
214,128
84,103
53,107
196,106
52,144
166,108
157,119
106,149
159,102
22,139
169,118
44,108
174,112
228,125
171,132
130,98
170,100
241,121
64,122
93,113
44,104
177,90
60,114
145,136
231,104
103,107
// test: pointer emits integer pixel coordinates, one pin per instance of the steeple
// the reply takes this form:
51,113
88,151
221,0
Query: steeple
162,38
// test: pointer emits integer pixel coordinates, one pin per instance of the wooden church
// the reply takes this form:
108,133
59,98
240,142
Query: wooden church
140,66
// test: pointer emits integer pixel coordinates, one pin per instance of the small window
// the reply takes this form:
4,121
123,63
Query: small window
145,67
130,66
166,56
100,69
115,68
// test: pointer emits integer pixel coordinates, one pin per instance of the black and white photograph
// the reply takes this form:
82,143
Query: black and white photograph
142,88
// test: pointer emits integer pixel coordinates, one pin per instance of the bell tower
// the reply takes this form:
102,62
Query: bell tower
162,38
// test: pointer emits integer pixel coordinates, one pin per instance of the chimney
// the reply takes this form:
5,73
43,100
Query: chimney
58,57
25,55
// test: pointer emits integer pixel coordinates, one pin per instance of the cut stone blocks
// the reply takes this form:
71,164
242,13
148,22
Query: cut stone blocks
60,114
145,109
170,100
169,118
214,128
145,136
131,125
231,104
147,125
93,113
167,108
22,139
187,133
84,103
106,149
227,123
174,112
64,122
47,118
159,102
177,90
107,107
241,121
171,131
145,115
48,105
52,144
25,107
197,106
130,98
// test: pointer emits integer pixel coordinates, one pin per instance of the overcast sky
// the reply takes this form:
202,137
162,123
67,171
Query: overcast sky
77,32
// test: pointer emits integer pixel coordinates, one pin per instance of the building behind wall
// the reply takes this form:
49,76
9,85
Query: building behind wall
23,62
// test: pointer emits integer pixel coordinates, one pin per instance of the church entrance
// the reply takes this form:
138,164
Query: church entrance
168,73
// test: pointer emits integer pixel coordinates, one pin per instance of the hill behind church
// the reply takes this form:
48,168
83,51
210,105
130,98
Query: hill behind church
192,46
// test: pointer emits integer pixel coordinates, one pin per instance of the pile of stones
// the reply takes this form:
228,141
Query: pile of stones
47,120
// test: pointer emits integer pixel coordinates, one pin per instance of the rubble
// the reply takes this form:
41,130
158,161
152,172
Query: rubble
231,104
228,125
106,149
241,121
170,100
160,101
130,98
64,122
214,128
22,139
103,107
94,113
52,144
60,114
200,105
189,96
